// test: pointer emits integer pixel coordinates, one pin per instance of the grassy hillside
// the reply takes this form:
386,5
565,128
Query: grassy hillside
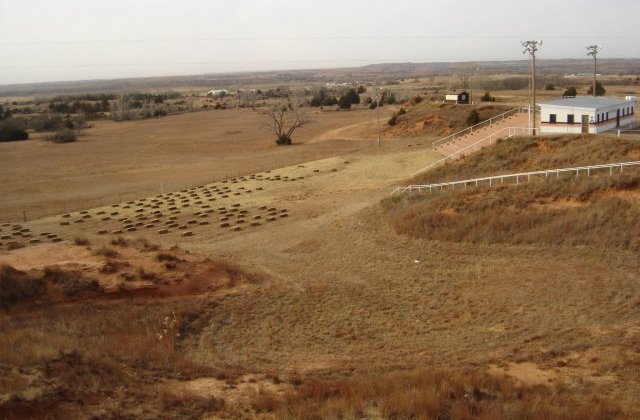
596,211
438,119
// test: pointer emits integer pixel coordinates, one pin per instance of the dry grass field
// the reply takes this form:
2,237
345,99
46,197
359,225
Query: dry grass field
297,289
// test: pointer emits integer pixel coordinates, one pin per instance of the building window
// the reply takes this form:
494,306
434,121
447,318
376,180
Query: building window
552,118
607,116
597,118
571,119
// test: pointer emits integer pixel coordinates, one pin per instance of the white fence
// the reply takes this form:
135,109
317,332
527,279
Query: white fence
507,132
471,129
524,176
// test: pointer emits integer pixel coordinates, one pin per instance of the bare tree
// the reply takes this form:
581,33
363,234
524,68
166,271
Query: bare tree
283,120
464,79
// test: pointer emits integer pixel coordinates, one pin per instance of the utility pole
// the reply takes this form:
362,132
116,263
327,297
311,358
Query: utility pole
378,109
593,51
531,47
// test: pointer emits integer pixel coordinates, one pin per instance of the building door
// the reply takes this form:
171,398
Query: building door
585,124
618,119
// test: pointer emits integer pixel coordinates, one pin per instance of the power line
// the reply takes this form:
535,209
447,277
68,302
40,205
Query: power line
301,38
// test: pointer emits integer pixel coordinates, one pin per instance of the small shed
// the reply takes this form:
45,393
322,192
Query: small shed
586,114
458,98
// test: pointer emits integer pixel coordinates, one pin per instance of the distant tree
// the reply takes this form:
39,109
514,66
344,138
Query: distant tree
416,99
344,103
283,121
600,90
473,118
12,129
549,86
393,120
361,89
373,105
348,99
2,117
571,92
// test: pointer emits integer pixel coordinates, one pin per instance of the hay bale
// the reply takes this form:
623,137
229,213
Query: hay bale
284,215
103,232
56,240
149,226
255,223
240,221
271,219
258,217
183,227
236,229
187,233
106,219
163,231
203,223
224,225
34,241
64,223
66,216
192,222
131,229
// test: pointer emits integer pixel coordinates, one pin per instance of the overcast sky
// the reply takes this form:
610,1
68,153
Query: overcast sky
50,40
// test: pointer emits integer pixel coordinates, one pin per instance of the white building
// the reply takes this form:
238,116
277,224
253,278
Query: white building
218,93
586,114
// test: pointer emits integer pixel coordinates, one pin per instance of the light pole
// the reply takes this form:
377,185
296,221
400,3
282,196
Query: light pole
531,47
593,51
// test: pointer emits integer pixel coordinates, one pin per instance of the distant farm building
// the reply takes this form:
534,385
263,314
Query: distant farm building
586,114
457,98
218,93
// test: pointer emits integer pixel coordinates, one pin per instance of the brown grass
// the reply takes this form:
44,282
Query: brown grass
586,211
596,211
531,154
431,394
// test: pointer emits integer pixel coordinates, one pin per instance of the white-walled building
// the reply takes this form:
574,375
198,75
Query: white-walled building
586,114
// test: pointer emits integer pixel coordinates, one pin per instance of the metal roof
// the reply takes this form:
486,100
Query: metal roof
588,102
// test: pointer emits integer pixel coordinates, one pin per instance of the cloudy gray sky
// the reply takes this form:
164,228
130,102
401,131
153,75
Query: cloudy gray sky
48,40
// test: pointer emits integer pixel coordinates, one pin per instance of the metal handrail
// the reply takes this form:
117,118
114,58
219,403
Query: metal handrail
468,130
517,176
512,132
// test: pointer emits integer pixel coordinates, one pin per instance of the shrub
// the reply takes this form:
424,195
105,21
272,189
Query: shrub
373,105
549,86
600,90
401,111
16,286
361,89
46,122
65,135
473,118
12,129
393,120
416,99
487,97
570,92
80,241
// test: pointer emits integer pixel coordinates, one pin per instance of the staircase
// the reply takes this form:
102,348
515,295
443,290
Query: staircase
471,139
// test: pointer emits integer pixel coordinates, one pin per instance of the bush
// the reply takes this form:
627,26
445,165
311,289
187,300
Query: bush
416,99
487,97
373,105
361,89
473,118
393,120
600,90
401,111
65,135
550,86
348,99
12,129
16,286
570,92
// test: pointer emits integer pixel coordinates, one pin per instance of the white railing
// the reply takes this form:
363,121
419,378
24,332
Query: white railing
469,130
507,132
492,180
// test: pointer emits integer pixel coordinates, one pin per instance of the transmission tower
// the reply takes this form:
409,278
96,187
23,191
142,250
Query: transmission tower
593,51
531,47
